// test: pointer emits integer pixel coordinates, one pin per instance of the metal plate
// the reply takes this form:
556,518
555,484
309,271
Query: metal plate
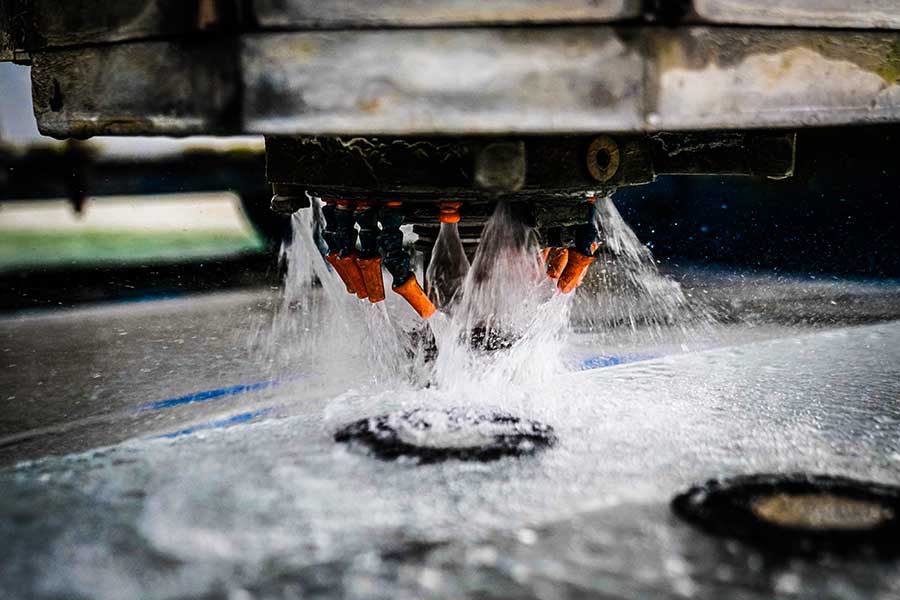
426,169
474,81
294,516
88,21
33,25
466,80
704,78
568,80
144,88
878,14
401,13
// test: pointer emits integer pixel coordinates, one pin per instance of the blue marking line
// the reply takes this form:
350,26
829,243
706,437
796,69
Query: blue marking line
208,395
151,296
611,360
226,422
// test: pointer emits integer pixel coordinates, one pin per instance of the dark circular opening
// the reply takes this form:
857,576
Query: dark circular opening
602,159
435,435
798,513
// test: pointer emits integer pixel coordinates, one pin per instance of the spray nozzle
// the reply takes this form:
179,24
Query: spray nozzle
556,261
569,265
370,268
449,212
412,293
576,268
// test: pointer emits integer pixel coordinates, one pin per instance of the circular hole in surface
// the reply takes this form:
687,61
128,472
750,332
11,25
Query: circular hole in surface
435,435
602,159
797,513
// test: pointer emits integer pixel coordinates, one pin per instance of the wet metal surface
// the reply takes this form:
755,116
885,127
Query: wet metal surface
213,496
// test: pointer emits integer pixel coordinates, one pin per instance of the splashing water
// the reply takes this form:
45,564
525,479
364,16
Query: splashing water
506,331
506,303
625,291
319,326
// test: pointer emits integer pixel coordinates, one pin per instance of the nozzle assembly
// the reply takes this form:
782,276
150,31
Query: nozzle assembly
449,212
576,269
369,260
449,264
345,239
412,293
556,261
569,265
361,271
397,260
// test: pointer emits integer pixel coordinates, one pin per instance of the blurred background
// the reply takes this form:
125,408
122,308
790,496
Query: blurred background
125,217
112,218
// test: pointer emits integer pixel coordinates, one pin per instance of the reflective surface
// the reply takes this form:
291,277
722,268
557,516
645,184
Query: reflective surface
247,493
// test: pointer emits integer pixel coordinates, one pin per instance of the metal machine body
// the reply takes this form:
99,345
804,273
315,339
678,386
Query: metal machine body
549,103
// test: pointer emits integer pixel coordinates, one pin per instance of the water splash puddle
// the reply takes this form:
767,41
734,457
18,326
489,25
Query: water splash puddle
505,332
798,514
428,435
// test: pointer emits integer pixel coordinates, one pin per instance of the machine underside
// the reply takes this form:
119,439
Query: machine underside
550,105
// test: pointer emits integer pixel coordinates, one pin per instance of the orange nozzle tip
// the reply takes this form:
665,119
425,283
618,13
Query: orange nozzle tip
371,274
412,293
393,203
575,270
557,259
449,212
338,267
352,275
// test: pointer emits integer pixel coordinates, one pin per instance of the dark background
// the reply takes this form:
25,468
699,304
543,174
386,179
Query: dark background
838,215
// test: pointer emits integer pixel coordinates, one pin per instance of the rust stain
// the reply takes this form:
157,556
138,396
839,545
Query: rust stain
370,105
890,68
302,49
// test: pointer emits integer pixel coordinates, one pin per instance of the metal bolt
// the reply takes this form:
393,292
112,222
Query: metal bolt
501,167
603,158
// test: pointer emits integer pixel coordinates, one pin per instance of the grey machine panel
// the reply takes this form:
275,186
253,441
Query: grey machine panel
41,24
707,78
401,13
568,80
141,88
465,80
473,80
874,14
